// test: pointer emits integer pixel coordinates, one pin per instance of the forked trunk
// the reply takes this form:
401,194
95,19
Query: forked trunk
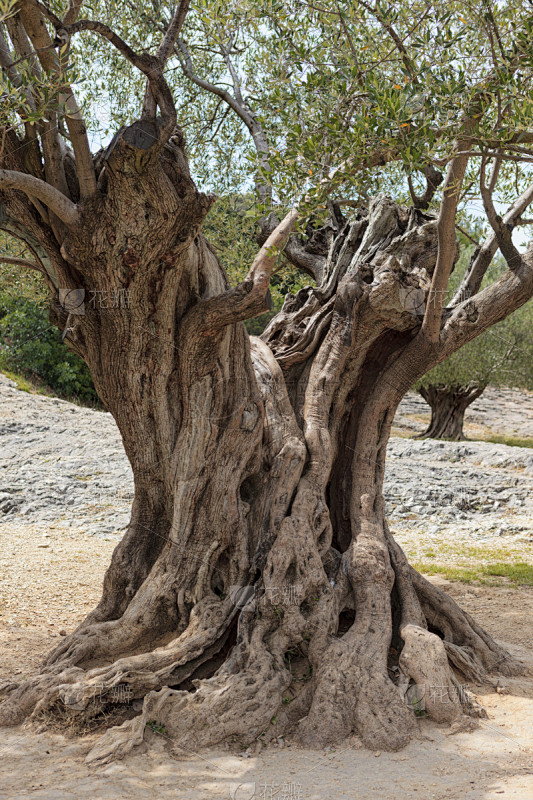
448,406
258,588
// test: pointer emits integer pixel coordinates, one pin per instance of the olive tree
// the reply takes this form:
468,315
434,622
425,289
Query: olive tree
258,588
502,356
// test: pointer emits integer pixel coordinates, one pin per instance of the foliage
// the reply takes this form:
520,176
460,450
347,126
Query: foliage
383,86
501,356
375,91
29,344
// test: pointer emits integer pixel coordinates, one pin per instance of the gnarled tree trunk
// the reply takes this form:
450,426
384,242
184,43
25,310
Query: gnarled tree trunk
258,588
448,406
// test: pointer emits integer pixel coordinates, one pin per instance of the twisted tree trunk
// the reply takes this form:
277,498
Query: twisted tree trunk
258,588
448,405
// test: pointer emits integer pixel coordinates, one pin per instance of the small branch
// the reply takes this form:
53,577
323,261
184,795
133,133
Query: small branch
434,179
501,230
526,158
258,135
408,64
142,62
57,202
465,233
165,49
484,254
173,31
21,262
233,72
72,12
188,70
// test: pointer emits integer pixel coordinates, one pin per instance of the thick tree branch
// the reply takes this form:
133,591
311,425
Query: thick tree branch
474,316
32,18
447,245
173,31
165,49
51,146
72,12
249,298
62,207
151,66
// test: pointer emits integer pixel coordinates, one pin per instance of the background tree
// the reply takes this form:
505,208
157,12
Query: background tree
502,356
258,463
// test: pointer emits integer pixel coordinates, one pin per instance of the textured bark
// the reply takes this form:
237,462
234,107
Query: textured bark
258,588
448,406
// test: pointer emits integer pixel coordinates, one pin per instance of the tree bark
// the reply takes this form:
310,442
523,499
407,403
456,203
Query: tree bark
448,406
258,588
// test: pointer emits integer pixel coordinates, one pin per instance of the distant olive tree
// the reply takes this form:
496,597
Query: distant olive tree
503,356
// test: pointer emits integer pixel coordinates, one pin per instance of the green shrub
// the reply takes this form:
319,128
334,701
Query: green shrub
32,346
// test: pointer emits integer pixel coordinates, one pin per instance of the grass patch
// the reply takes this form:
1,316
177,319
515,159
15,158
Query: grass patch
502,574
512,441
520,573
23,383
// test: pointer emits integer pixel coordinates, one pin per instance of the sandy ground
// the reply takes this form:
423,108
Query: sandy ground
493,761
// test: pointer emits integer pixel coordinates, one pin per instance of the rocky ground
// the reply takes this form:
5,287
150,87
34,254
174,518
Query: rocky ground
63,467
65,491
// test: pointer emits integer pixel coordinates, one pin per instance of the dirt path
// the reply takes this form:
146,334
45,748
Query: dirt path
493,761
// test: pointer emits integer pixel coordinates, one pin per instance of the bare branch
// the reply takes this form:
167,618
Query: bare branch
242,111
165,49
62,207
233,72
188,71
21,262
434,179
73,10
143,62
484,254
501,230
173,31
466,234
